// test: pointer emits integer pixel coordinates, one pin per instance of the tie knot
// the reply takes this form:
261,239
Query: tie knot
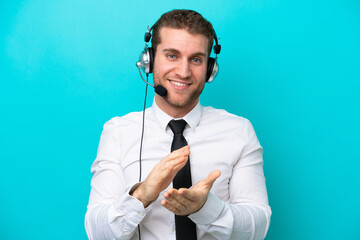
177,126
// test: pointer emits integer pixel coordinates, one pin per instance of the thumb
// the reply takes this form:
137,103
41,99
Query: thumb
210,179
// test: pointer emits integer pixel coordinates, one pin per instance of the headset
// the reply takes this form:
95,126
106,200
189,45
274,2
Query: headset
146,59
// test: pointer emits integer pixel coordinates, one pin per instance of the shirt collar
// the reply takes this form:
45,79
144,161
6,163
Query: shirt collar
192,118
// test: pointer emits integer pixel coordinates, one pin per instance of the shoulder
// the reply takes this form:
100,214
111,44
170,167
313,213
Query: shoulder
128,120
211,114
233,126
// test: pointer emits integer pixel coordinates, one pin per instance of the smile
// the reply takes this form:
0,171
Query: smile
178,83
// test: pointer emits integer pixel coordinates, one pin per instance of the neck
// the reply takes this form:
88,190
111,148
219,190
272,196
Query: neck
173,111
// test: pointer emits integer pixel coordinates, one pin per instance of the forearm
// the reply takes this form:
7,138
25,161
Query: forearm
233,221
118,220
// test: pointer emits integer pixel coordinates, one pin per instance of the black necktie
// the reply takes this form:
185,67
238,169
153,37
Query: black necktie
185,228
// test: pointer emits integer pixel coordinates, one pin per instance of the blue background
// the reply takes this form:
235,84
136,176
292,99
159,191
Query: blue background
291,67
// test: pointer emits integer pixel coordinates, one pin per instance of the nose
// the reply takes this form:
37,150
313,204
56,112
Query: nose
183,69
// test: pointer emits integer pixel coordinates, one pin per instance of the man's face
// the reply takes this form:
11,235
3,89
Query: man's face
180,66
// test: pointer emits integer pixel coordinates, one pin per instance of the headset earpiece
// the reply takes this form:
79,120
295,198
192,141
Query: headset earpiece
151,57
212,69
146,60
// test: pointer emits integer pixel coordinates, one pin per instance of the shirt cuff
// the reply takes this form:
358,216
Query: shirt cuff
209,212
129,206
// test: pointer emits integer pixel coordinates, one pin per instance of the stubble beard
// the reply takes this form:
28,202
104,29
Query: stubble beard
192,98
186,102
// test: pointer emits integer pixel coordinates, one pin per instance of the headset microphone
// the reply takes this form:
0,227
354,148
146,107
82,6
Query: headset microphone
159,89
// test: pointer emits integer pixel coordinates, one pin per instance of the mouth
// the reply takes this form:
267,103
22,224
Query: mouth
179,84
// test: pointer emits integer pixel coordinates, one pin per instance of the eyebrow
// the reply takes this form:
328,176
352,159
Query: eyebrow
173,50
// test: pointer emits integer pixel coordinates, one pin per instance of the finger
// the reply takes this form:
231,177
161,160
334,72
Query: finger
176,199
193,194
184,151
169,207
179,164
189,194
210,179
175,158
175,203
171,168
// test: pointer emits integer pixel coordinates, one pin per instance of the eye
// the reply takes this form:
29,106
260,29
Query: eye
197,60
171,56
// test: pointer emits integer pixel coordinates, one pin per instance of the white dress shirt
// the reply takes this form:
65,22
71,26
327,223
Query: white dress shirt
237,205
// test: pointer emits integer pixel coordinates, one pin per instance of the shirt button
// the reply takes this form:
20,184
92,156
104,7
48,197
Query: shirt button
173,228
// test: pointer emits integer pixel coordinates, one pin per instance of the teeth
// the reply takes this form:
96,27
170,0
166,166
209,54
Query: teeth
179,84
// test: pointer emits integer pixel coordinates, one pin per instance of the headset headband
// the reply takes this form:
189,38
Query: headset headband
217,47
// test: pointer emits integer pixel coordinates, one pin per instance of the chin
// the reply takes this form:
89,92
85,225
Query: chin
180,103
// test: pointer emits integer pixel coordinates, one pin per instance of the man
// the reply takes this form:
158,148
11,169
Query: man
228,199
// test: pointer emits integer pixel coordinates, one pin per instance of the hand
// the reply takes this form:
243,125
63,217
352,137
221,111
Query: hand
161,176
187,201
